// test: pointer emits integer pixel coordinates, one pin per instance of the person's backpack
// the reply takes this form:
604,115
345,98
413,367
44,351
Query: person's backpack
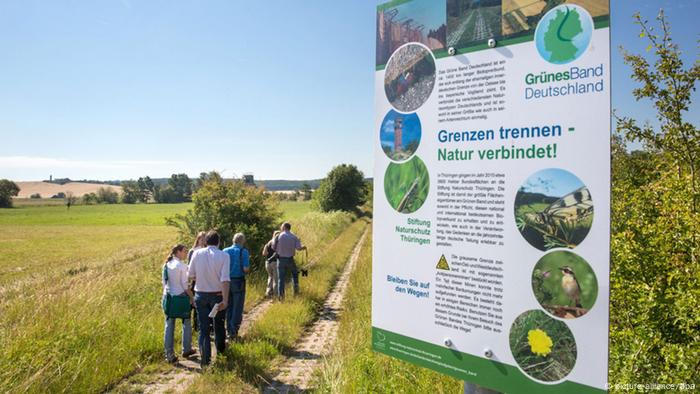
175,306
274,255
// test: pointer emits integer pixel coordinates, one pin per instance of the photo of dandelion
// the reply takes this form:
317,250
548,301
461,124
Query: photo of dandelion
564,284
540,342
406,185
543,347
553,209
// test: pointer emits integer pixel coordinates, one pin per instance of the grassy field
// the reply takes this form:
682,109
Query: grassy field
80,301
281,326
354,367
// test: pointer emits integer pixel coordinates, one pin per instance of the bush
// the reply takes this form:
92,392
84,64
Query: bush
106,195
35,196
89,198
655,287
8,189
230,207
343,189
168,195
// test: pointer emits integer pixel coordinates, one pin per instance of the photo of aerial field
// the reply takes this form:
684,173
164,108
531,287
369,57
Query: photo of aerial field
553,209
400,22
472,22
400,135
410,77
406,185
544,348
564,284
522,16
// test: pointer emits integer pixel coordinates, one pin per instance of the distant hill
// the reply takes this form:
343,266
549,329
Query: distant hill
273,185
48,189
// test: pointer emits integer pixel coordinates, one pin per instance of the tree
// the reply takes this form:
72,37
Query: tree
230,207
343,189
168,195
655,286
8,189
131,192
306,191
105,195
147,189
182,185
35,196
71,199
89,199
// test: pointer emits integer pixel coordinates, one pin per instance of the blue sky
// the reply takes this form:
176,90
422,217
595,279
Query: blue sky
119,89
553,182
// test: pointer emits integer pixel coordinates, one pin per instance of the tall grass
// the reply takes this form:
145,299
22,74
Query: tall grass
354,367
281,326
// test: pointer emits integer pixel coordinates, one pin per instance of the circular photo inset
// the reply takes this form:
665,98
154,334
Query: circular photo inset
406,185
544,348
553,209
564,33
400,135
564,284
409,77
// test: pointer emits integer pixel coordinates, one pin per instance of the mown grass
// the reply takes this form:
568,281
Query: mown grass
281,326
354,367
88,312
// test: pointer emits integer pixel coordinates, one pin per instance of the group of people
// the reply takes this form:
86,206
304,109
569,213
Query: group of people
213,282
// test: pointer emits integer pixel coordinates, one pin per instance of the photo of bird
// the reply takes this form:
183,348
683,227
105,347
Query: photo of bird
564,284
570,285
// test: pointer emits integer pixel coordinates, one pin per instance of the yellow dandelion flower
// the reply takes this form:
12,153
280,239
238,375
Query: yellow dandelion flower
540,342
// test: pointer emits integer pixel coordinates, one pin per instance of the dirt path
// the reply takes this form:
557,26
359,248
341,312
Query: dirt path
178,379
296,371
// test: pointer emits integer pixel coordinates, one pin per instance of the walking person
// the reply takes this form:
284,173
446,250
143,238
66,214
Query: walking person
286,244
240,265
199,243
270,257
177,302
210,269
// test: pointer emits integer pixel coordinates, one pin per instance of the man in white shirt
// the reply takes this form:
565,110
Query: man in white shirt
210,267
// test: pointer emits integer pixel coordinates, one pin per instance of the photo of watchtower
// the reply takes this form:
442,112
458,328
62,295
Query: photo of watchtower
398,134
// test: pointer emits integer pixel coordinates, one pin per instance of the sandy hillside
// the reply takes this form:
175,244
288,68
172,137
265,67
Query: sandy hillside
47,190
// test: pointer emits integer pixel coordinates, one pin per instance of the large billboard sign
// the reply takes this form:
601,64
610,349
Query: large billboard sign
492,188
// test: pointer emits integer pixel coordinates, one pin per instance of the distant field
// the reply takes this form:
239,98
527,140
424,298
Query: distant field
46,189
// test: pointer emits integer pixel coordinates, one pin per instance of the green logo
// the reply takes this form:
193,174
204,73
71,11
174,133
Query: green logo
564,33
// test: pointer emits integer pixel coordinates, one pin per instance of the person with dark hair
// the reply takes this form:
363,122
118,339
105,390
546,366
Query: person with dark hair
199,243
175,289
286,245
240,265
210,269
270,257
